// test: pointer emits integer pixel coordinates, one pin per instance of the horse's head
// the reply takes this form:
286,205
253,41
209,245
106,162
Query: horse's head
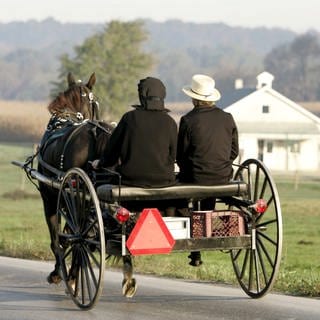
77,101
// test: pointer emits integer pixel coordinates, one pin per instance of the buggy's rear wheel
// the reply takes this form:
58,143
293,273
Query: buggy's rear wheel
81,238
256,268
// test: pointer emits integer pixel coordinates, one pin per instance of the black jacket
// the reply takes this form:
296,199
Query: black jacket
144,143
207,146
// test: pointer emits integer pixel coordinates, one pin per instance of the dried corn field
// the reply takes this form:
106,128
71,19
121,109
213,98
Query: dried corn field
22,121
25,121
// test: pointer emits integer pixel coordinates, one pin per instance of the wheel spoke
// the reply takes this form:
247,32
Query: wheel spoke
250,270
67,253
83,280
261,234
256,268
85,204
256,184
86,267
73,205
265,223
89,227
263,189
74,272
93,257
264,272
67,219
70,209
77,199
261,244
90,269
244,264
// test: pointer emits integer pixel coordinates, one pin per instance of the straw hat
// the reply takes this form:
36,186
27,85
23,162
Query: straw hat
202,88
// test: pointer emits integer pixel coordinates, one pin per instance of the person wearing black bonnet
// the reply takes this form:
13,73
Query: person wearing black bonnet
143,145
151,94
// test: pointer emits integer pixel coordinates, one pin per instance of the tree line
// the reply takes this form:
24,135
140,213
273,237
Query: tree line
120,55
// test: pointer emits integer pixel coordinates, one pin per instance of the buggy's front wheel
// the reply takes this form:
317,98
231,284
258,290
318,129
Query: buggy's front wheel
81,238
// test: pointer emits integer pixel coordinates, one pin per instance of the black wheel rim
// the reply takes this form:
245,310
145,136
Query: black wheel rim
256,268
81,239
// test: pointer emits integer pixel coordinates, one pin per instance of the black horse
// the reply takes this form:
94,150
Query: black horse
74,136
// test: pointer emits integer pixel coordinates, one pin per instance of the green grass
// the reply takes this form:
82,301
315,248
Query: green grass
23,231
24,234
300,263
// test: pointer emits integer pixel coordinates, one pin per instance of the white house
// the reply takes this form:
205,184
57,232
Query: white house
273,128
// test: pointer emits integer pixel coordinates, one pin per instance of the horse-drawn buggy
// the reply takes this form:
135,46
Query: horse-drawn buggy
90,220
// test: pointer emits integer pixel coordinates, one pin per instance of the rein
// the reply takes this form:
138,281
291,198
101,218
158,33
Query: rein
73,133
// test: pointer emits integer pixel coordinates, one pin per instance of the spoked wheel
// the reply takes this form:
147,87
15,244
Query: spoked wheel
256,268
81,238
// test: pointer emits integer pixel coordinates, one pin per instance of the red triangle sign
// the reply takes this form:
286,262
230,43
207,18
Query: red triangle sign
150,235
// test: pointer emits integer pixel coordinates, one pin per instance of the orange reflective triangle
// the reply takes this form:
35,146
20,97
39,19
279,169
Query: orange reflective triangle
150,235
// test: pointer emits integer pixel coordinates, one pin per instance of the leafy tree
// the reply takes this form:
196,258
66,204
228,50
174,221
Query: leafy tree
117,57
296,68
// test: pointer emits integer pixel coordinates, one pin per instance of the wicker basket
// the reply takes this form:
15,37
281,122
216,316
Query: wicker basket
218,223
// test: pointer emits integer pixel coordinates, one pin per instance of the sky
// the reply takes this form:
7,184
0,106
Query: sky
296,15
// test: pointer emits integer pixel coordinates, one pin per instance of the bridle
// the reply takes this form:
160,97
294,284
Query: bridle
94,104
68,119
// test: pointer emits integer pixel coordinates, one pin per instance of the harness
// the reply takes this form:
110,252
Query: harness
59,127
67,123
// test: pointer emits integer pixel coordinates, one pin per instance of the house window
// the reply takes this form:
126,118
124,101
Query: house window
265,109
269,146
294,146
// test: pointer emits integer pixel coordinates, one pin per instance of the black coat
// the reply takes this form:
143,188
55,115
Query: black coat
207,146
144,142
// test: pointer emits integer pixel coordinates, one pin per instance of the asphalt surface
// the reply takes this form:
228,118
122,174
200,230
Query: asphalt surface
24,295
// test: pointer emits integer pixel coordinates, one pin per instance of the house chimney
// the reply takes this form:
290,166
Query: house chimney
238,84
264,79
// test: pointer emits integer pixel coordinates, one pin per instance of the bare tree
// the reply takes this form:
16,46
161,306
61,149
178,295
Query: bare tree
296,68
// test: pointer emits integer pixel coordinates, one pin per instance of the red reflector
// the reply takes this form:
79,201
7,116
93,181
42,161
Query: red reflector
260,206
122,214
150,234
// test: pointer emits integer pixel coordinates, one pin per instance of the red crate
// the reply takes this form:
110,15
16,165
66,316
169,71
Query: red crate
217,223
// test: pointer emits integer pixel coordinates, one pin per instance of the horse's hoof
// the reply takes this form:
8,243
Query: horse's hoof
129,287
54,277
195,259
72,286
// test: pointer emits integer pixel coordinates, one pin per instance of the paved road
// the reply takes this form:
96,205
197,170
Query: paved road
25,295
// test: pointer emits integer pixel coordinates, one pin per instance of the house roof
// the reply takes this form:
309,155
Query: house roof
244,93
293,105
229,98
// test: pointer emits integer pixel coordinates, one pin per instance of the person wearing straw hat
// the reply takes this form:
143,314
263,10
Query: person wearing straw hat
207,142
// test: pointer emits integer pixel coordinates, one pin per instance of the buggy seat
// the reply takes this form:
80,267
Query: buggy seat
112,193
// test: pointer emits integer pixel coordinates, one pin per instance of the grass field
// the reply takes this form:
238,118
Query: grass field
23,232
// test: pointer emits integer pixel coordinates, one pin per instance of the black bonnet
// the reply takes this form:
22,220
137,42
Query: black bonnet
152,93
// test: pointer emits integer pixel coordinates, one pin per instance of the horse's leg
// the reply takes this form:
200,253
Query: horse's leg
129,285
54,276
49,204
